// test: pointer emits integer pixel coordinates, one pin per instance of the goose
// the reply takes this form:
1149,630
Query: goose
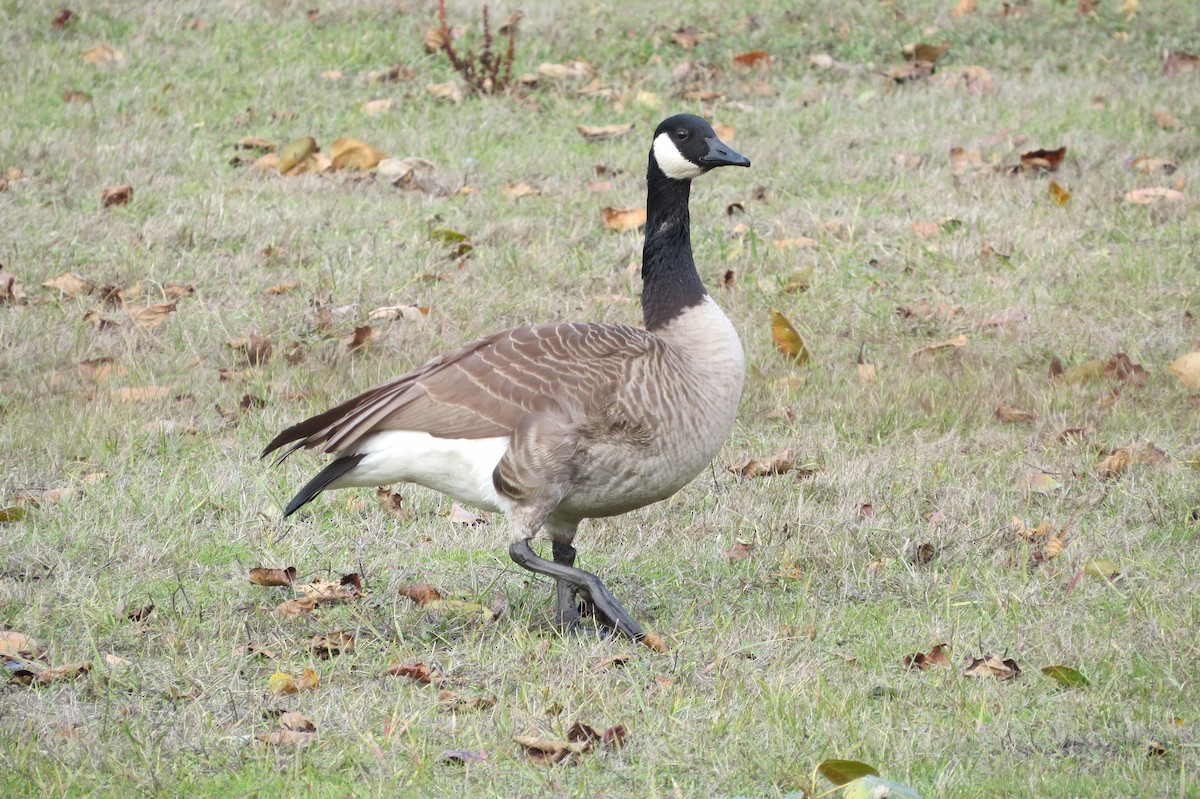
551,424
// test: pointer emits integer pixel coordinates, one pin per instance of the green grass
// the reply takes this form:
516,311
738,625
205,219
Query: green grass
768,675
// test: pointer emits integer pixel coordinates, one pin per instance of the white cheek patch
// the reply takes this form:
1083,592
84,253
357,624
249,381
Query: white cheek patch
671,162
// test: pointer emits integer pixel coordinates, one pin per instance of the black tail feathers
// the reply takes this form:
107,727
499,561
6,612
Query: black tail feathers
322,480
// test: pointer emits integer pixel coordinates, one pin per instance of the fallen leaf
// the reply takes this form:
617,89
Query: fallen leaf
281,683
1043,160
939,655
739,551
62,19
354,154
787,339
1058,194
963,160
359,339
1088,370
924,52
547,753
594,133
296,152
70,284
18,645
1120,367
460,515
142,393
754,58
840,772
449,91
148,317
623,220
1177,62
462,609
421,593
951,343
992,666
374,108
62,673
1115,464
655,642
1154,194
780,463
456,701
911,71
292,720
463,756
1151,166
1187,369
309,680
1166,120
964,7
1065,676
282,288
326,645
286,738
413,671
116,195
103,54
294,608
1040,483
1010,414
1101,568
518,190
272,577
73,96
798,243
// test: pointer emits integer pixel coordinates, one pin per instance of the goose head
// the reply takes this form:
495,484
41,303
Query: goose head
686,146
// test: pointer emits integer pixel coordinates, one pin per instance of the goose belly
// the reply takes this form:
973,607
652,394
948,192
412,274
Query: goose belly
458,467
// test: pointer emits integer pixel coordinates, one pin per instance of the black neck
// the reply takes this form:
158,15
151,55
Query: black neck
670,283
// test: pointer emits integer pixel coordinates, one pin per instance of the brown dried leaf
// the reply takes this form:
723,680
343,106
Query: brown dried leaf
594,133
1115,464
282,288
1120,367
992,666
73,96
1010,414
18,645
295,722
963,160
421,593
294,608
62,673
1167,121
103,54
1177,63
142,393
463,756
739,551
1043,160
414,671
286,738
1187,369
754,58
148,317
780,463
326,645
62,19
911,71
359,339
456,701
623,220
272,576
951,343
939,655
547,753
116,195
449,91
1152,166
964,7
1154,194
655,642
70,284
518,190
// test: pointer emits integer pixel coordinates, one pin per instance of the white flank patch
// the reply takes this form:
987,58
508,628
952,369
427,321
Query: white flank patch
458,467
671,161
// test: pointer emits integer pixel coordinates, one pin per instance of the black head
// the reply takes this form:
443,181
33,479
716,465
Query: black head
685,147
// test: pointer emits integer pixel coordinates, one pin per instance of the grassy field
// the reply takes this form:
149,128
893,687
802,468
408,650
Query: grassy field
140,481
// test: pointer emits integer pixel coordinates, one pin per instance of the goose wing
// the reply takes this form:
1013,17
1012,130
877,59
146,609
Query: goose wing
487,387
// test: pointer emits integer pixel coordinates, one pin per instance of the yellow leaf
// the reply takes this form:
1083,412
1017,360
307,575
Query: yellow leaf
281,683
354,154
787,339
951,343
309,680
1088,370
1057,193
1102,568
623,219
70,284
1187,369
295,152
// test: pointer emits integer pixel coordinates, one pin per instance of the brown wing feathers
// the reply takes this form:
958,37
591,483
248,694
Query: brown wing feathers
484,388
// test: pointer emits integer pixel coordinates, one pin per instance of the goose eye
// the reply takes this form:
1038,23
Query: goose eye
681,134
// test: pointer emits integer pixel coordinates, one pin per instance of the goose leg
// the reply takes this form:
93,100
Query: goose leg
568,612
586,584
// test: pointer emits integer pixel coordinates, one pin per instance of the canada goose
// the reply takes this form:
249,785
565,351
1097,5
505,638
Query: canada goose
552,424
